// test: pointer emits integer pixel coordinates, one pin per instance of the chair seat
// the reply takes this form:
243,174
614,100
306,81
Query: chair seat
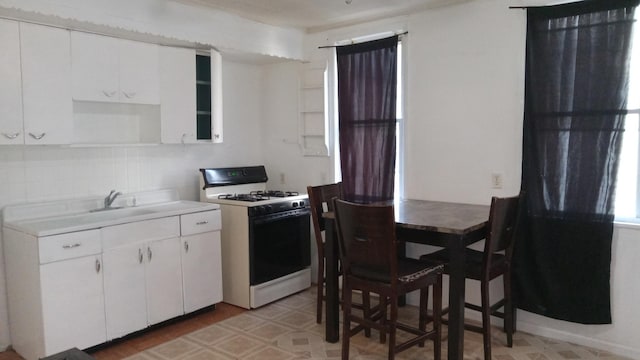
473,262
408,270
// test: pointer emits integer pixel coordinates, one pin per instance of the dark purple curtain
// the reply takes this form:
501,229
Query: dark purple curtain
577,72
367,78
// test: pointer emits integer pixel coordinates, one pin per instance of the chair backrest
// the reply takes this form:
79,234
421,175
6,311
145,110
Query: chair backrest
320,200
367,238
503,218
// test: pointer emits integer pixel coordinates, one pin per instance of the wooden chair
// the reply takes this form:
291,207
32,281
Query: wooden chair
320,200
486,265
368,251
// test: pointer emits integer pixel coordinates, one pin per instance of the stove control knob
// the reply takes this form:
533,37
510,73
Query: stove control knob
301,203
268,208
294,204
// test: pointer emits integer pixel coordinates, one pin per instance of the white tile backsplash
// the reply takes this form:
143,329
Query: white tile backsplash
41,173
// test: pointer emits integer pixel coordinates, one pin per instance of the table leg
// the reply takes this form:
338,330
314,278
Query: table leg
456,299
332,303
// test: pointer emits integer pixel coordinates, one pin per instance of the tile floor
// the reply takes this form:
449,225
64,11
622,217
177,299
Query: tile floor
287,330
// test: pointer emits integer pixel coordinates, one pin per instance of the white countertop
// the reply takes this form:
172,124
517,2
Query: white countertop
60,222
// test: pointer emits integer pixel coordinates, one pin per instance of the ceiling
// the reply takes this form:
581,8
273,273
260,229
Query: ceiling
319,15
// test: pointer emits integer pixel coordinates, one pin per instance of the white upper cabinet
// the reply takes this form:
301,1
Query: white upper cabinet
46,84
10,84
108,69
178,95
94,62
139,72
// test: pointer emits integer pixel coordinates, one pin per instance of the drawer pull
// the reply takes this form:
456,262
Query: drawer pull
98,266
140,256
11,136
149,253
38,136
202,222
71,246
186,246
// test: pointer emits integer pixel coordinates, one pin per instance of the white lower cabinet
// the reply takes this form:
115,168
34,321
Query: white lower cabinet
201,259
201,270
54,291
142,280
83,288
73,313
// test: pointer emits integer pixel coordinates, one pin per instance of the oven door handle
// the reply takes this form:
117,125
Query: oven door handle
265,219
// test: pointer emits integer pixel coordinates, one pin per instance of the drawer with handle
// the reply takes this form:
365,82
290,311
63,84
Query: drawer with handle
200,222
69,245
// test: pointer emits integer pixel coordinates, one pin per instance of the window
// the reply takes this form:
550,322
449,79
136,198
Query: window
398,183
627,203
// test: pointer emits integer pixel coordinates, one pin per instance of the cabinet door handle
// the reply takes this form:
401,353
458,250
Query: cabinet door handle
37,137
149,253
202,222
67,246
129,95
108,93
11,136
140,256
186,246
98,266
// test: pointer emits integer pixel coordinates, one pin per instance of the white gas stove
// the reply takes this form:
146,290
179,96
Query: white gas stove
265,235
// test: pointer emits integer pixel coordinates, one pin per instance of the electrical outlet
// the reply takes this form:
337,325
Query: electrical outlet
282,179
496,180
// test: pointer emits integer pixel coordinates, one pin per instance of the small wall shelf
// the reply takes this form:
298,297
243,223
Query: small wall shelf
312,129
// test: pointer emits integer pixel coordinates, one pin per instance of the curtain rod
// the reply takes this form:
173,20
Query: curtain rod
335,46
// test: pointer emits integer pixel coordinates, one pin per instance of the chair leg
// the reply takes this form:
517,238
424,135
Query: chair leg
486,319
437,318
509,318
346,321
320,282
383,318
391,326
422,323
366,310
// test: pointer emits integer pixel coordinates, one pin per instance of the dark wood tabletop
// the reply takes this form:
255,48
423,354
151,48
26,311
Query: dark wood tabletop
450,225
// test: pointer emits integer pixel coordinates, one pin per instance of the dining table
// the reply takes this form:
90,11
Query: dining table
445,224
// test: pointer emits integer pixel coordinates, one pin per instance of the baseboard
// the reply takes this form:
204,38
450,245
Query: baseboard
599,344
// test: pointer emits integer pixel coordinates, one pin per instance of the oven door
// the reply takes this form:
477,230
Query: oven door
279,244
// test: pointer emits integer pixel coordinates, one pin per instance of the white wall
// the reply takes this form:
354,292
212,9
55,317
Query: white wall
37,173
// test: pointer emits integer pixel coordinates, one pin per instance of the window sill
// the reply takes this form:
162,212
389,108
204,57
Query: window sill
627,223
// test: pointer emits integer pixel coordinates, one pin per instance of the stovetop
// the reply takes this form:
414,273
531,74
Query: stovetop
245,186
258,195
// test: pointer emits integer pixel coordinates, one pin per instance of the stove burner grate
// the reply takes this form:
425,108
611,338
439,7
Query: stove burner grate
275,193
243,197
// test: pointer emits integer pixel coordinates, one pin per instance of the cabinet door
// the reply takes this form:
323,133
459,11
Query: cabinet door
10,84
178,94
201,270
94,64
46,84
72,304
124,290
139,72
163,280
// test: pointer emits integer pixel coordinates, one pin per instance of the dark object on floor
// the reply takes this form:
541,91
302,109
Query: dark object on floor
71,354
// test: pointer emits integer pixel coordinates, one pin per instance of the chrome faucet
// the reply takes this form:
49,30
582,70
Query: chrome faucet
111,198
